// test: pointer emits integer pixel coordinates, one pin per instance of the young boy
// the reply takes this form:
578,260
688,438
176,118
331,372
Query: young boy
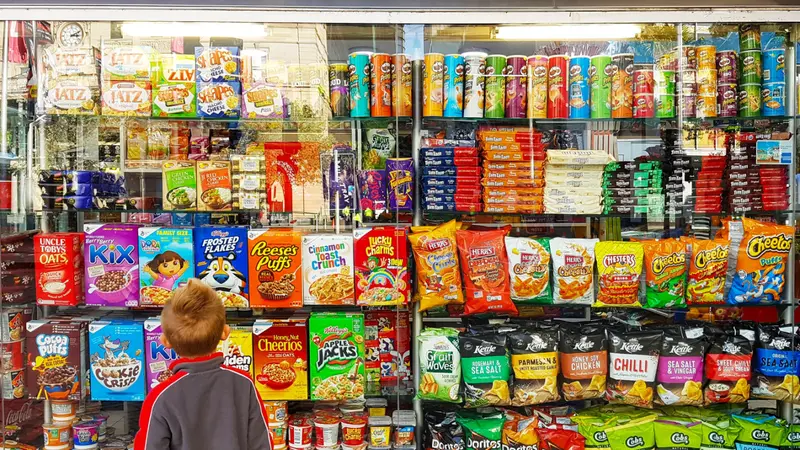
203,405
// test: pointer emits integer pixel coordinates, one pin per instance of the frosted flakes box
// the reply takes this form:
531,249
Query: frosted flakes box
126,98
262,101
328,270
157,357
174,87
238,348
217,63
72,96
116,360
126,62
165,262
280,350
381,264
221,262
112,264
218,99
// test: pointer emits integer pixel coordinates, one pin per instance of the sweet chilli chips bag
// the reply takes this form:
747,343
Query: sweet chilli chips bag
438,276
485,266
440,365
529,268
680,367
665,273
761,263
619,266
584,362
534,359
632,365
485,369
775,365
727,365
573,269
708,264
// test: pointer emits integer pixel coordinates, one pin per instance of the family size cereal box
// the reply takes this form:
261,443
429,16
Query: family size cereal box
56,360
58,259
126,62
328,270
111,256
381,260
214,178
221,262
274,268
217,63
179,179
238,348
220,99
126,98
336,349
280,350
174,86
166,257
116,360
388,354
157,357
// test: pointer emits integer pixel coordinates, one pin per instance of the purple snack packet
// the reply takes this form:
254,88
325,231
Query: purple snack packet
112,265
341,180
400,178
157,357
373,192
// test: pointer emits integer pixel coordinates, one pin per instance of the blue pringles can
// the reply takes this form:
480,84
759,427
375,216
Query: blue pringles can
579,87
358,70
453,86
774,66
773,99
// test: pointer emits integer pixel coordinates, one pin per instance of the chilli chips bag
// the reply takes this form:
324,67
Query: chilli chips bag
534,358
584,362
761,263
708,264
632,364
619,266
529,267
485,369
727,365
573,269
680,367
665,273
485,266
775,366
438,277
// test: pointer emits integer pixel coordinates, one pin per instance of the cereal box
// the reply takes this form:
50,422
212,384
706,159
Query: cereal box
126,62
112,264
328,269
238,348
336,349
217,63
157,357
56,359
72,96
280,359
274,268
381,264
388,355
221,262
174,87
214,178
116,360
126,98
179,185
218,99
59,268
262,101
165,262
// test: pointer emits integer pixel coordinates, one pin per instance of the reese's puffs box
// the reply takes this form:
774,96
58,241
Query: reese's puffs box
274,268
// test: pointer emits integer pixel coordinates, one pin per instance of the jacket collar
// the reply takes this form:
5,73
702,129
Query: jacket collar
195,365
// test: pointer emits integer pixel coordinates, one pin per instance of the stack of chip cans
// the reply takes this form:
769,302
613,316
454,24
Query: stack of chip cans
450,175
750,72
773,87
513,170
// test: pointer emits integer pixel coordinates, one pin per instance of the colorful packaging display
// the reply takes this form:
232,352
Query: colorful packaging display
485,266
535,362
56,363
665,273
680,368
179,180
707,268
438,274
381,268
215,186
328,270
727,365
529,268
619,266
485,368
440,365
59,268
238,349
761,263
388,346
584,362
632,366
274,268
174,87
112,264
215,64
221,262
157,357
166,257
336,349
573,270
117,360
280,365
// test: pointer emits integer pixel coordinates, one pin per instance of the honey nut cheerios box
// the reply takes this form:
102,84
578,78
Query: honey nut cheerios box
117,360
274,272
336,362
280,361
238,348
328,270
166,262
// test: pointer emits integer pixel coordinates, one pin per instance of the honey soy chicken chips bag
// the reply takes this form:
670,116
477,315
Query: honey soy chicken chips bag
665,273
761,263
573,269
708,264
438,276
529,268
583,351
619,266
534,359
485,266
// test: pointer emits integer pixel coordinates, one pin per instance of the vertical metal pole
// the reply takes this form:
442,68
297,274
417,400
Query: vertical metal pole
4,92
415,142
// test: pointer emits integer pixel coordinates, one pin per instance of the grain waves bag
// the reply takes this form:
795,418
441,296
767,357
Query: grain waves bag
485,266
534,358
529,267
775,366
573,270
440,365
633,361
727,366
680,367
583,351
441,431
485,369
482,431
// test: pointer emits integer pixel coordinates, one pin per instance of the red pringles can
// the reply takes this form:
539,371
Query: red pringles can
643,106
622,86
380,84
727,67
402,77
557,101
643,81
516,87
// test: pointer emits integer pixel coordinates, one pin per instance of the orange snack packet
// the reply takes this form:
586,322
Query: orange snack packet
707,267
438,277
761,263
485,266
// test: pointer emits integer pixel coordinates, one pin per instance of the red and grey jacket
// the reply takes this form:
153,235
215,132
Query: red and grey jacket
204,405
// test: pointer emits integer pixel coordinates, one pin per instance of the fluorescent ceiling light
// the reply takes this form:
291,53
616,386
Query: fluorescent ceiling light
584,32
201,29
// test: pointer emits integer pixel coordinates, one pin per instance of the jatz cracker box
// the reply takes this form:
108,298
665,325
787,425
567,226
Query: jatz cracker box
126,98
112,264
56,359
157,357
126,62
174,86
280,350
218,100
217,63
79,95
58,259
116,360
274,270
221,262
327,269
166,257
381,266
336,348
238,348
179,180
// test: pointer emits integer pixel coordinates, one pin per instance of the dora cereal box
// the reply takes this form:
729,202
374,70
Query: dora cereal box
112,264
280,359
217,63
221,262
328,270
218,100
116,360
619,266
336,349
214,179
56,359
238,348
157,357
761,263
274,268
59,268
165,263
174,87
381,264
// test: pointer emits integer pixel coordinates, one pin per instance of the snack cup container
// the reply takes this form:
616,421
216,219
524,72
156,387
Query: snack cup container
57,436
361,446
326,431
63,411
57,447
354,430
276,411
299,432
85,433
86,447
380,430
278,433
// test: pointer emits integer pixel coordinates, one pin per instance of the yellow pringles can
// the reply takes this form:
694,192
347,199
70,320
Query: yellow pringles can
433,85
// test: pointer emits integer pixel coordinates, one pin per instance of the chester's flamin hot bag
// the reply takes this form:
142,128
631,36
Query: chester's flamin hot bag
619,266
761,263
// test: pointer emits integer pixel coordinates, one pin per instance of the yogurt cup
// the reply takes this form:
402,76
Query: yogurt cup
85,434
300,432
326,430
63,411
57,436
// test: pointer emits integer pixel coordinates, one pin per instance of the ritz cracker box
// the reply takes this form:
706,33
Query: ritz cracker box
166,257
56,359
238,348
111,256
221,262
274,270
280,365
157,357
336,349
59,268
328,270
117,360
381,265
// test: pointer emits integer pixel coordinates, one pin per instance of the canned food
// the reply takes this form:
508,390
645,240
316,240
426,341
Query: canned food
706,57
495,102
600,86
664,82
773,99
453,85
537,86
668,61
774,70
749,37
516,87
727,67
12,353
12,323
402,79
433,85
358,71
57,435
643,79
749,100
689,105
380,85
339,79
557,96
643,106
727,100
689,89
622,86
665,106
750,67
706,105
474,69
85,433
579,88
13,384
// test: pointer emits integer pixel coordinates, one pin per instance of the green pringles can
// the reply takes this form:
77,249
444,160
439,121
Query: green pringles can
749,37
750,67
358,70
665,106
600,86
495,87
749,100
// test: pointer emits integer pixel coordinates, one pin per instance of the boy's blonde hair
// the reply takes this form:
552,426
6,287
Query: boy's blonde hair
193,320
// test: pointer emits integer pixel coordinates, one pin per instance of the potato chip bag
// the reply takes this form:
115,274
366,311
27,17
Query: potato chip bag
593,429
708,264
791,438
441,430
485,369
632,364
482,431
761,263
638,434
718,433
534,359
674,434
775,365
665,273
439,364
583,351
559,439
529,268
727,365
519,432
619,266
485,266
679,380
573,269
759,432
438,276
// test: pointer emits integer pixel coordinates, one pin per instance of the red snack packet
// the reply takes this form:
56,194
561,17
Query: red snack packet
560,439
485,271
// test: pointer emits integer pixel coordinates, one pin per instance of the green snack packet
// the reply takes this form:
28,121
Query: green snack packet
487,369
791,439
440,365
593,429
719,434
674,433
481,431
665,273
759,432
529,269
635,435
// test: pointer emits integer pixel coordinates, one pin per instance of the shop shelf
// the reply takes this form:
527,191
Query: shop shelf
305,121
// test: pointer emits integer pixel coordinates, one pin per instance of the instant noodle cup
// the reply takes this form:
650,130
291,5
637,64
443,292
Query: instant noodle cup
63,411
665,273
438,276
529,269
276,411
708,265
485,266
326,430
354,429
761,263
440,365
278,431
57,435
619,266
573,269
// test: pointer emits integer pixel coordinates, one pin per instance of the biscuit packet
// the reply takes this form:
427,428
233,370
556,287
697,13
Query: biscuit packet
440,365
534,360
708,264
665,273
485,369
529,268
632,362
638,434
727,365
485,267
573,270
583,352
679,380
775,365
673,433
436,257
761,263
619,266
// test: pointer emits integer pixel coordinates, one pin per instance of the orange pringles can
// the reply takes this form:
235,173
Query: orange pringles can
557,79
402,77
706,57
622,86
433,85
380,85
537,86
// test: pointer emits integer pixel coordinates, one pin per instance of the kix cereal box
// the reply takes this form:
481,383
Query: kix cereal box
126,98
112,264
174,86
157,357
238,348
328,269
126,62
58,259
166,257
336,349
381,265
280,350
274,270
221,262
218,99
116,360
217,63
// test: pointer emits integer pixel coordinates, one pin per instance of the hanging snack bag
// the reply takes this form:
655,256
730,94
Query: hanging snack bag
718,434
555,439
438,277
619,266
529,268
775,366
761,263
665,273
519,432
485,369
680,367
573,268
583,352
482,431
440,365
441,431
593,429
727,366
708,264
673,434
759,432
534,359
633,360
485,266
637,434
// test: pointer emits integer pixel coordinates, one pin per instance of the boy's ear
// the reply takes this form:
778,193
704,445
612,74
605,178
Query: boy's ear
163,340
226,331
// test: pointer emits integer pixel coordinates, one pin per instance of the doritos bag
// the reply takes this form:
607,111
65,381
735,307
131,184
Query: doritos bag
550,439
680,367
519,432
485,266
707,267
441,431
665,273
485,368
482,431
775,366
529,268
573,270
761,263
619,266
584,362
438,276
632,364
534,358
727,365
638,434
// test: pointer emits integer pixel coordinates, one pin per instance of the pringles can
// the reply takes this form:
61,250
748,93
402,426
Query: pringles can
339,81
474,71
516,87
727,100
537,86
557,95
749,100
402,91
643,106
643,79
749,37
706,57
495,102
579,93
689,57
433,85
727,67
600,86
380,83
358,69
453,85
665,106
774,70
773,99
622,86
689,105
750,67
706,105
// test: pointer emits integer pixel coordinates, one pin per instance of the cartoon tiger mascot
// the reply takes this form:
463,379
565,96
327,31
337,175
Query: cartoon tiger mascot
221,275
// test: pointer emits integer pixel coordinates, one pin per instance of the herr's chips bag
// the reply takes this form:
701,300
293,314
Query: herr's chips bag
632,364
619,266
534,359
727,365
529,268
775,365
665,273
573,269
759,432
438,276
676,434
761,263
486,369
482,431
707,267
680,367
638,434
440,365
584,362
485,266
